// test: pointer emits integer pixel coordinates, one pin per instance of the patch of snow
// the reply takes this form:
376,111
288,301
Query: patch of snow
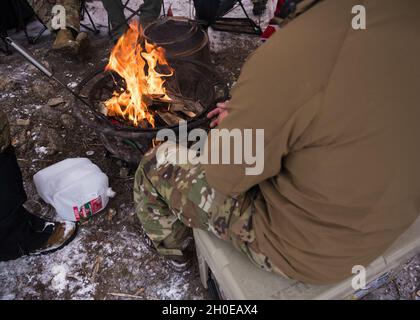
172,290
52,273
59,281
72,85
8,95
41,150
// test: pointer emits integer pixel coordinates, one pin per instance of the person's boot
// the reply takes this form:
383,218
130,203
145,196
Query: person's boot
82,40
176,263
179,264
66,43
56,235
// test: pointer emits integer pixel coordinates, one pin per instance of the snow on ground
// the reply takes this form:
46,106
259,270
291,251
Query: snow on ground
108,259
95,266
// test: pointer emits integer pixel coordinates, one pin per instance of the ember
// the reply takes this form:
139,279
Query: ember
136,61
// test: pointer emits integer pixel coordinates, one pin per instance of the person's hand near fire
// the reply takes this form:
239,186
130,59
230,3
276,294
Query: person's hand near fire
219,113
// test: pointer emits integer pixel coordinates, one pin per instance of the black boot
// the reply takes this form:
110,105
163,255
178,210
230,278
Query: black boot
22,233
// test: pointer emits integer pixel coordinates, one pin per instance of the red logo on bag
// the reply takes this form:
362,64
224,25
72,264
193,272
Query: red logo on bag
88,209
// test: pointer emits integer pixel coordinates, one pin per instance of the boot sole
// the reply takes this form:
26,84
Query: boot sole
65,243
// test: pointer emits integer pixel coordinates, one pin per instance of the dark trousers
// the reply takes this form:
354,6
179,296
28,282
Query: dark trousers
17,226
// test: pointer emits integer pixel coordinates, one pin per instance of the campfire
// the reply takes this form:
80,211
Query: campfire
137,62
140,91
146,93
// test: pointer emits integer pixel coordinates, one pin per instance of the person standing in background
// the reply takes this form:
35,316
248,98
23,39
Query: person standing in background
69,40
149,12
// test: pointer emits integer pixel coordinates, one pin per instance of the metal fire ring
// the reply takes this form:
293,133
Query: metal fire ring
98,121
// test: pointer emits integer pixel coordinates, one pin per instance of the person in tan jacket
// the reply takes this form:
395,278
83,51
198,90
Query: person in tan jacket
340,109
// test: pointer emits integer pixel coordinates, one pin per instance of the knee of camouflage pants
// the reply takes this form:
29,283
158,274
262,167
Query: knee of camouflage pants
164,228
170,197
43,9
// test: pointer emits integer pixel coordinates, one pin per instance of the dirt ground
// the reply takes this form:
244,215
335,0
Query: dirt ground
108,259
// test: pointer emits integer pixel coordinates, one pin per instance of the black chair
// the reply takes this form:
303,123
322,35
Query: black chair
212,12
16,14
133,13
84,11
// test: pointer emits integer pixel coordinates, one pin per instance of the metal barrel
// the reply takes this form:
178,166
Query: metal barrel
181,38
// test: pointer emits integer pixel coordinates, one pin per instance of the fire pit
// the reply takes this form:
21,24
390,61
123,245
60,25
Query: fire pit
139,92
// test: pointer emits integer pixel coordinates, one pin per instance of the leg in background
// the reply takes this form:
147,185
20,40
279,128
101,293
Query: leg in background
150,11
69,40
16,224
72,13
115,11
44,11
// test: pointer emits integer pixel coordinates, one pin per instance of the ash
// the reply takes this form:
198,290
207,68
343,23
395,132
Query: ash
108,259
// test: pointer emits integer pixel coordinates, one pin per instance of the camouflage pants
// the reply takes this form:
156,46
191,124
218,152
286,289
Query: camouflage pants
43,9
171,199
4,132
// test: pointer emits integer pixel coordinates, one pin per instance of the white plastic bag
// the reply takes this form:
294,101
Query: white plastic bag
76,188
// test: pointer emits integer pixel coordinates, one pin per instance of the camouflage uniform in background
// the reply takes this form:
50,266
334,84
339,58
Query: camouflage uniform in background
4,132
43,9
172,199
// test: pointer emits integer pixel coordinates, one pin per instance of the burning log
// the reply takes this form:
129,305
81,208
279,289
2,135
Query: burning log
189,114
187,107
169,118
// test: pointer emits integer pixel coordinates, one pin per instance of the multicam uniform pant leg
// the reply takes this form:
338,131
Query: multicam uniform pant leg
43,9
170,199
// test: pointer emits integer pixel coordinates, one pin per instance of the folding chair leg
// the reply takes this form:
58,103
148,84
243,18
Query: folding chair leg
33,40
238,25
109,28
163,9
256,27
92,23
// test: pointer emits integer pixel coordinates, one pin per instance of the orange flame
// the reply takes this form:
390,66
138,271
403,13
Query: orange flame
137,66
